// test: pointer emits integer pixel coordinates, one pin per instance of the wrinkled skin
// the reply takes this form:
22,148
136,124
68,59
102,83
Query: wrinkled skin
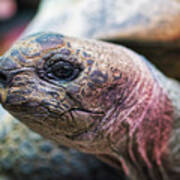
108,101
26,155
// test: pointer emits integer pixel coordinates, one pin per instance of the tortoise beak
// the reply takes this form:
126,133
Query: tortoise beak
5,78
3,95
3,85
6,66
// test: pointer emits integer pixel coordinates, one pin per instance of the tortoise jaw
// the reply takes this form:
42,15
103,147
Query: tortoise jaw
3,87
3,94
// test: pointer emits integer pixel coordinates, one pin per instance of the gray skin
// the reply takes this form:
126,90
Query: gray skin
26,155
51,27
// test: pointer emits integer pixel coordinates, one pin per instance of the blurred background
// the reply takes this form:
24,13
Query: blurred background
14,17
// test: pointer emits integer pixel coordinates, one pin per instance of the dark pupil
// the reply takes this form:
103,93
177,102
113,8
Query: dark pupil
62,70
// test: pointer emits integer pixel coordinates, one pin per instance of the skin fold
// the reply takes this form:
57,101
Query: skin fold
26,155
110,101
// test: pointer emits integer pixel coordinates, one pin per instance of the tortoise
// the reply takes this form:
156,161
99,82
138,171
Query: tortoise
98,97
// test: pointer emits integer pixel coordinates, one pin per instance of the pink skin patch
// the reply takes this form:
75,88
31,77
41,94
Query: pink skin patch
145,119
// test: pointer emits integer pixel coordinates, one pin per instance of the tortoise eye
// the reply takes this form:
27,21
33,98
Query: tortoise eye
64,71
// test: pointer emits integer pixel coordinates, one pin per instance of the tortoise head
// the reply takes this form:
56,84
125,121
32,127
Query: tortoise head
63,86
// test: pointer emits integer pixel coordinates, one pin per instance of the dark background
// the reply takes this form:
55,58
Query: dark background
13,25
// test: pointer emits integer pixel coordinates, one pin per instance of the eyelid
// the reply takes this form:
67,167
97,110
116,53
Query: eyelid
56,58
59,56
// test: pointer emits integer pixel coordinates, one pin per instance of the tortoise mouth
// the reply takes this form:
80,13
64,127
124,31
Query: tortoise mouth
3,94
79,121
84,111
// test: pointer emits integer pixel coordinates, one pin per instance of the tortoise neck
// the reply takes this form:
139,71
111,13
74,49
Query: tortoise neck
170,87
172,163
142,134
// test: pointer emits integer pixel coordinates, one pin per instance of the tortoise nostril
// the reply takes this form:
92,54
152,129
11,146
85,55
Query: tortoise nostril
3,78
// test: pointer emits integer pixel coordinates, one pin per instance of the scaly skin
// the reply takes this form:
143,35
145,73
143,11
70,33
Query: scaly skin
26,155
118,107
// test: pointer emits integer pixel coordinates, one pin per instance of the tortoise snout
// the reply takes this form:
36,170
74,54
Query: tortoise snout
5,78
7,65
